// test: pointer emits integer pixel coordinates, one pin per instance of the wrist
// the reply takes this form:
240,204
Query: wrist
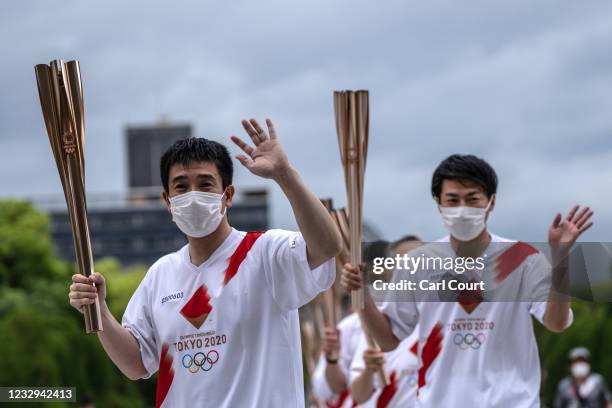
286,176
105,311
331,359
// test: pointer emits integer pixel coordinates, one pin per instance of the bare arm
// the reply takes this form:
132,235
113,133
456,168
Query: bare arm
378,324
562,235
269,160
362,387
120,345
334,376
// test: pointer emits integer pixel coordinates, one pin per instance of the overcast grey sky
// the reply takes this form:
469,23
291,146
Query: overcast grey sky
526,85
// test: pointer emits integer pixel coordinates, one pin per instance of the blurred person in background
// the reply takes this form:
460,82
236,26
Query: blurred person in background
332,376
583,388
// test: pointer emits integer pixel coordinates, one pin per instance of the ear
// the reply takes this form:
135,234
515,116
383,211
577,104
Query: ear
493,199
167,200
229,196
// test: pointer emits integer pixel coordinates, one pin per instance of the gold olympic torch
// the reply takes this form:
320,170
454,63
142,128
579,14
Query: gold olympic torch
352,114
61,100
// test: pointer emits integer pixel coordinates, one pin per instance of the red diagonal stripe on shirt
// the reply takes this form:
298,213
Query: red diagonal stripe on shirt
388,391
341,399
240,254
415,348
198,305
430,352
165,375
511,259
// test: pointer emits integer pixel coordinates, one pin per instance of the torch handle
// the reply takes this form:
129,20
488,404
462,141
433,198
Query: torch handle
77,210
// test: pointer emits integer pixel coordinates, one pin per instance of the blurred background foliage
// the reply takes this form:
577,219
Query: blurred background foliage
42,336
44,343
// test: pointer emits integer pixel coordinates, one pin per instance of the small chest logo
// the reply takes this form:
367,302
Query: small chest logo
172,297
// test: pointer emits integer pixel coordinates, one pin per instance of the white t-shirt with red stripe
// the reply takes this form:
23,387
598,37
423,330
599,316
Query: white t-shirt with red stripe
479,354
400,367
226,333
350,333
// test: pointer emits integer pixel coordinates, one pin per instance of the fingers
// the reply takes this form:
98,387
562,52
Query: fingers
556,221
245,161
84,290
78,278
97,278
83,287
250,131
271,130
80,304
82,295
373,359
241,144
571,214
351,278
254,134
261,134
583,217
585,227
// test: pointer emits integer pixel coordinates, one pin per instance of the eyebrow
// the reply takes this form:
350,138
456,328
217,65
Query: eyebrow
179,178
200,177
471,193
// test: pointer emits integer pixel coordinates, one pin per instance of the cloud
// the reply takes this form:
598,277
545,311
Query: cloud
524,85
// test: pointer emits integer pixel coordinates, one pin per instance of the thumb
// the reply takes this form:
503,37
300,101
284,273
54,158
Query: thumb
97,278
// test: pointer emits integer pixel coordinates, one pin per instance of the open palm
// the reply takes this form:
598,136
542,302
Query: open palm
267,159
563,233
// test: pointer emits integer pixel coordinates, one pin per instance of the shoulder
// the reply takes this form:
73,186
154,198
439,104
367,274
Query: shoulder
517,252
276,238
565,383
165,264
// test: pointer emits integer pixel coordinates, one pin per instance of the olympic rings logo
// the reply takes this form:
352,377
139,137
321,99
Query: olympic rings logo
200,361
469,340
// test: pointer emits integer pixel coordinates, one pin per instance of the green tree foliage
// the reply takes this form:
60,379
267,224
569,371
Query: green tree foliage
43,339
592,328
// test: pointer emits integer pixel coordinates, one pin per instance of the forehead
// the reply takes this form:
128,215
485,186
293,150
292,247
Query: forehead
407,246
461,187
194,169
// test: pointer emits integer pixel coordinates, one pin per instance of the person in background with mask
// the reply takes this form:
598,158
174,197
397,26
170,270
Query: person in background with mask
218,319
332,377
471,351
582,389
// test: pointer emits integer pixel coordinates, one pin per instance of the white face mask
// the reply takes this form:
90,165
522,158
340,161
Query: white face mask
196,213
581,369
465,223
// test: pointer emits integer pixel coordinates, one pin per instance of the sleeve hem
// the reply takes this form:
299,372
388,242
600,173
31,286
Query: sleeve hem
146,364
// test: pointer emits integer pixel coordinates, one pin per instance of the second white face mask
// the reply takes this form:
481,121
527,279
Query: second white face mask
465,223
581,369
196,213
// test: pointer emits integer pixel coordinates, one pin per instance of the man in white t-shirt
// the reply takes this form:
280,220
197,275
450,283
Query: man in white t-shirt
218,318
331,378
475,352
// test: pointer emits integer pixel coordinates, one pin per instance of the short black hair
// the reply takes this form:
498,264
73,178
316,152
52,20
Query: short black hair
405,238
464,167
197,149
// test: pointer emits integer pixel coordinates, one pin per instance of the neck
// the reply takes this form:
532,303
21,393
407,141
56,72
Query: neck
200,249
473,248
